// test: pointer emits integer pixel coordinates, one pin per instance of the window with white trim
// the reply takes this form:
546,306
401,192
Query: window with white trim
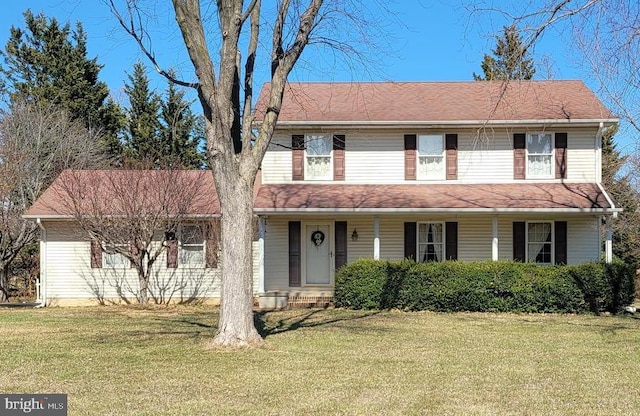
540,242
539,155
112,258
318,157
192,247
431,162
430,241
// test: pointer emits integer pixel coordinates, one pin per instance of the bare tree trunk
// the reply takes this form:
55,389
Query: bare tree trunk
236,327
143,282
4,283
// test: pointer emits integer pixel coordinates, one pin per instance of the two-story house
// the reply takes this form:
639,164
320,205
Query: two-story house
430,171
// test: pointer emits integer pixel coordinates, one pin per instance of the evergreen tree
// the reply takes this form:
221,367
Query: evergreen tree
143,141
616,178
48,64
511,60
182,132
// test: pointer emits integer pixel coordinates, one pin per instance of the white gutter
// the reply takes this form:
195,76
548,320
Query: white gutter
441,123
438,210
43,265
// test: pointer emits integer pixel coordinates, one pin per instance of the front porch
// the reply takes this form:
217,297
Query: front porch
302,272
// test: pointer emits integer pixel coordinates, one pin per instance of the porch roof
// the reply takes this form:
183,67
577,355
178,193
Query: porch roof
520,197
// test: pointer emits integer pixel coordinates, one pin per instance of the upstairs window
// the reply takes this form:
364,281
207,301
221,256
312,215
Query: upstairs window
318,161
539,155
431,157
430,241
192,254
539,242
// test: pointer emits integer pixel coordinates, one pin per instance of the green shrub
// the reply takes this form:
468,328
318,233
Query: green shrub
484,286
359,285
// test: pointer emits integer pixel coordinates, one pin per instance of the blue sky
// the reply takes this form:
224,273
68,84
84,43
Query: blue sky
430,40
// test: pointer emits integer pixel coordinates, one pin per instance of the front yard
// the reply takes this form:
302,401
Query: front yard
133,361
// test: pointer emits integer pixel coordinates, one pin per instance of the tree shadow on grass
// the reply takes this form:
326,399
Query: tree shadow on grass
305,319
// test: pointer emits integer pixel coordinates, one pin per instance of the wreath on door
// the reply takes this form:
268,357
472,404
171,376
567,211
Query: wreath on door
317,237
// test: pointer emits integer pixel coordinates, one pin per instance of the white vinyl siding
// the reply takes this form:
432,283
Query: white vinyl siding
367,155
583,240
474,238
69,275
485,159
276,254
482,158
582,156
277,163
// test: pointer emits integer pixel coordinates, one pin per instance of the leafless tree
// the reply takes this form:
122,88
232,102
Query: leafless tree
236,140
135,213
36,144
605,35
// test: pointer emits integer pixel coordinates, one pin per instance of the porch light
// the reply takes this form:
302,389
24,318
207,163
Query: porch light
354,235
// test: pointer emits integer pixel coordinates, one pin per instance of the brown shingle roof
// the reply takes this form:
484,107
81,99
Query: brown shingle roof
465,197
95,190
436,102
55,202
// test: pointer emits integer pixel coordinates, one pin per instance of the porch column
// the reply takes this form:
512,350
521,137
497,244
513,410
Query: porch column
494,242
608,246
261,231
376,238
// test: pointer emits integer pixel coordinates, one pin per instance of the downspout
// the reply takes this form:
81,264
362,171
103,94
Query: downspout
608,242
43,265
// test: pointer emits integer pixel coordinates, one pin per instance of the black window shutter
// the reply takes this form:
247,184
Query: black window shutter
519,156
295,264
561,140
451,150
341,244
519,240
410,156
297,155
451,245
519,141
451,141
96,255
410,240
410,141
560,249
561,155
297,142
338,157
172,250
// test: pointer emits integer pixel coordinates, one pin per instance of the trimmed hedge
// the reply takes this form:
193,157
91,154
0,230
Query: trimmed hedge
484,286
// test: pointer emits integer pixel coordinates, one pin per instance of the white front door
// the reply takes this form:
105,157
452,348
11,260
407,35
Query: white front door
318,254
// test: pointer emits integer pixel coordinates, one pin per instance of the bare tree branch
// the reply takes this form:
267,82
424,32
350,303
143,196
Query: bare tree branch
135,29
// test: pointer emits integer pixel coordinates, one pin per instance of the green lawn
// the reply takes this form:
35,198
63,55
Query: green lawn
133,361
